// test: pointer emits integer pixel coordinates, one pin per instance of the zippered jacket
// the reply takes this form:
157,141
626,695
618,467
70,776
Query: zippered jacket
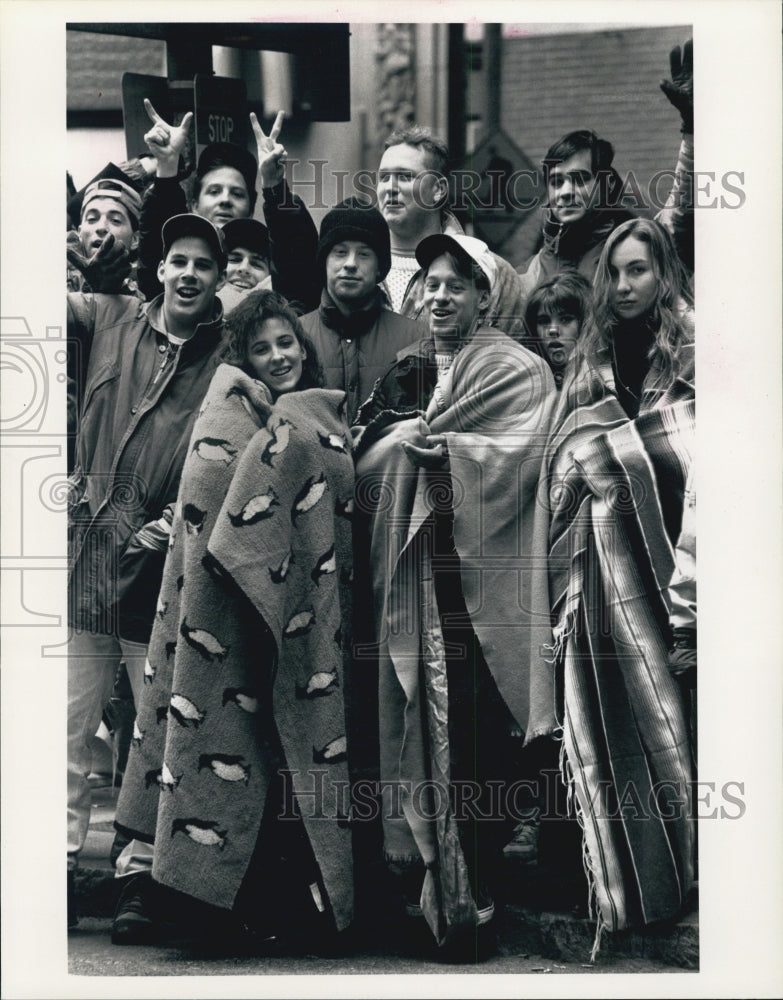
139,398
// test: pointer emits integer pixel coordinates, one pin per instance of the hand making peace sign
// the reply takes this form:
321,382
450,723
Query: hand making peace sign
271,154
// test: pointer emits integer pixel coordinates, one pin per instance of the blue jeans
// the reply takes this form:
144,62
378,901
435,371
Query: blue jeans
92,664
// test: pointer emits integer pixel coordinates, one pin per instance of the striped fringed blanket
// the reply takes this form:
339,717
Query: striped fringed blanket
493,408
616,491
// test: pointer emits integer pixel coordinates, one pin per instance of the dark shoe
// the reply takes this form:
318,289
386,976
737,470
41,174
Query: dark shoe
134,920
523,846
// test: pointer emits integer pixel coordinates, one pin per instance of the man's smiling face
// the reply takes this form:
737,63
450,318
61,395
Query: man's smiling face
190,277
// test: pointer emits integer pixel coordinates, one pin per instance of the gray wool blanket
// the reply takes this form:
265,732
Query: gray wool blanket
247,654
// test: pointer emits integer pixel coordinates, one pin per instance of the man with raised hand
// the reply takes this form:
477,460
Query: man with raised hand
293,237
585,192
100,249
144,371
224,188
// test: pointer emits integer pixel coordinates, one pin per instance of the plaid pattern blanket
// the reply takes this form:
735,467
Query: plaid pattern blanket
616,492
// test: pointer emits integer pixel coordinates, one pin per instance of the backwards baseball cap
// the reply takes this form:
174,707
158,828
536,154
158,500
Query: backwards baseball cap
354,219
465,248
119,191
228,154
247,233
179,226
111,182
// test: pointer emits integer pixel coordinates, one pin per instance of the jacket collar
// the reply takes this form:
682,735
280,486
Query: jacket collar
572,240
205,332
355,324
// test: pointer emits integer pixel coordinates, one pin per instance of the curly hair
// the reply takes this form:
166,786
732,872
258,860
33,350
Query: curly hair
664,320
243,322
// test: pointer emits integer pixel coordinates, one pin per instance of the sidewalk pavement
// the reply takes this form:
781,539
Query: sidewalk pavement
527,926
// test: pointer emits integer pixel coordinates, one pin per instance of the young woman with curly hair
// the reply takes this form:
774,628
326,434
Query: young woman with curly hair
265,338
244,680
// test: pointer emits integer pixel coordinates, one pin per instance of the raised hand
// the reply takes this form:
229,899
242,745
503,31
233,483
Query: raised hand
166,142
271,154
679,90
106,270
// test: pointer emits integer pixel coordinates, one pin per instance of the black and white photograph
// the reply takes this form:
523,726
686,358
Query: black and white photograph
349,565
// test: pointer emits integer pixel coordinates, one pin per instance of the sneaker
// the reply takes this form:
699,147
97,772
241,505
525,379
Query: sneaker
485,905
470,946
133,921
523,845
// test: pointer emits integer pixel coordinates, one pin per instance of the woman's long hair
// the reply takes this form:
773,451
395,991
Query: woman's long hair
243,322
664,320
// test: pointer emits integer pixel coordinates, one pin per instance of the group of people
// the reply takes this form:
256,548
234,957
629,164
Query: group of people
381,529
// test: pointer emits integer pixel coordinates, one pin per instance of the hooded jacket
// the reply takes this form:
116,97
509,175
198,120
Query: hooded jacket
140,397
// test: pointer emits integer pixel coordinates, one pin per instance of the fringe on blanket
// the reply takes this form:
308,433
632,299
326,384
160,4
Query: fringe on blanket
573,809
561,632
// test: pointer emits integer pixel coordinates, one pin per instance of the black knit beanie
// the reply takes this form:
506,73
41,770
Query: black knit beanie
356,220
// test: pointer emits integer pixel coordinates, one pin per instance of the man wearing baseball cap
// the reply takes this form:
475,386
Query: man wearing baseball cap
355,336
248,267
140,372
100,250
451,445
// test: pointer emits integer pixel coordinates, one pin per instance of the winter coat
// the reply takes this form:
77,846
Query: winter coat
356,350
577,246
571,246
138,404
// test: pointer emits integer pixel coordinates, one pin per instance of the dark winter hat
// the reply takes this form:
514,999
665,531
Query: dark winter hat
356,220
228,154
179,226
248,234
